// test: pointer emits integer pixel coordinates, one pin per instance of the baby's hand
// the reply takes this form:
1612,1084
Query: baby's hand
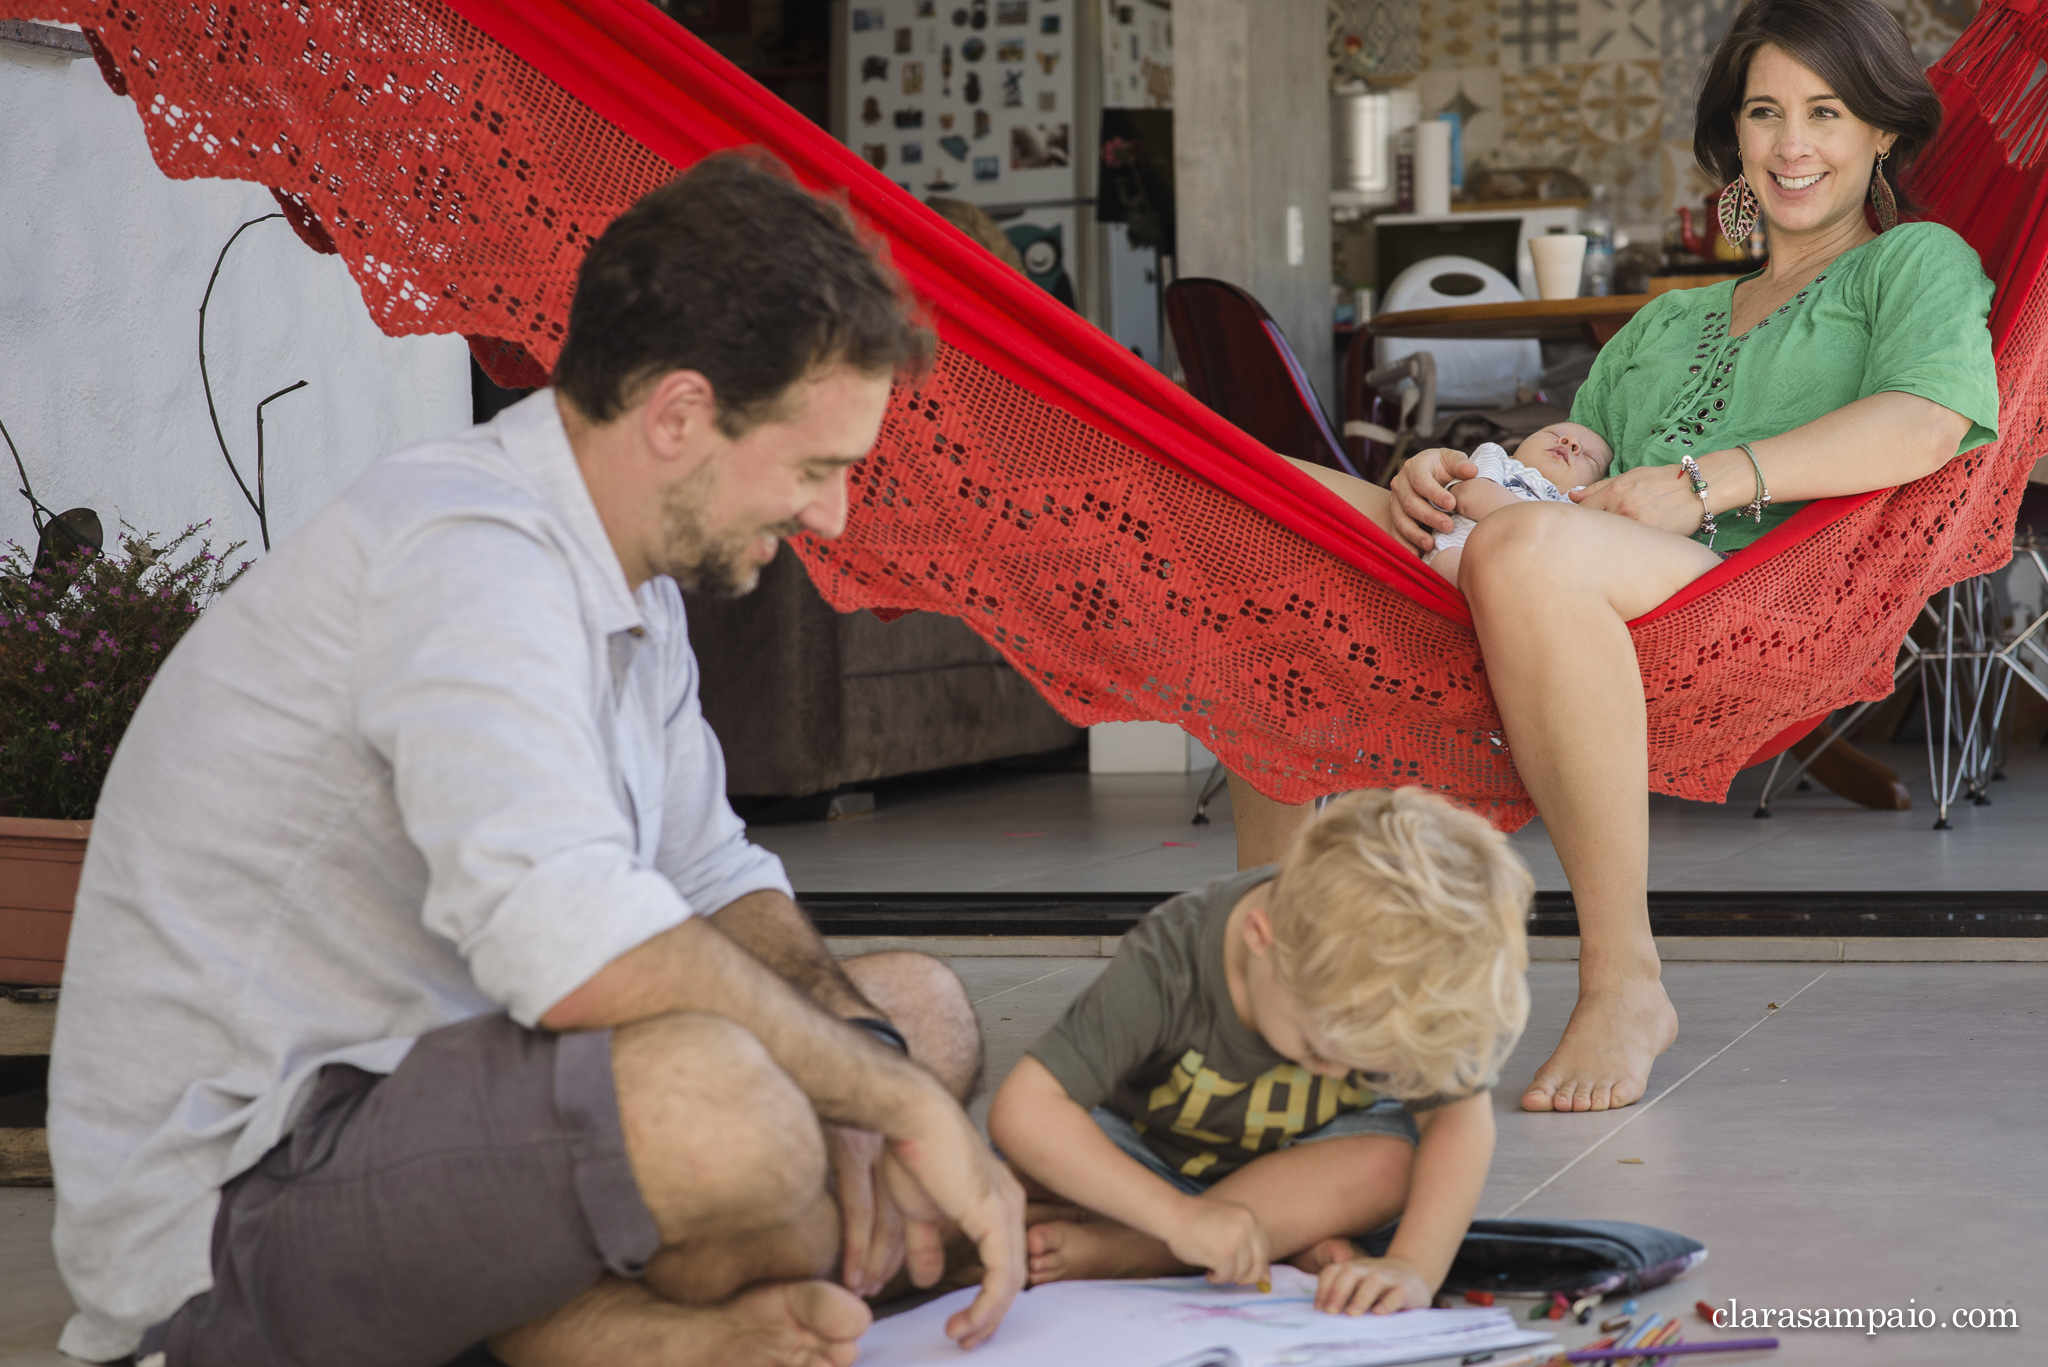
1381,1285
1224,1237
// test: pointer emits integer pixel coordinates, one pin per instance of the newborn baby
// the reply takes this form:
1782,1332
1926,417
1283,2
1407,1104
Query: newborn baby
1561,457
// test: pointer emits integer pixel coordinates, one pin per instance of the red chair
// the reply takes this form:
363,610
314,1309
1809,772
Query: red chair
1238,363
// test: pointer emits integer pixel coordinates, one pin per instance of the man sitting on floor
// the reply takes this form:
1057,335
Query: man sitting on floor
424,990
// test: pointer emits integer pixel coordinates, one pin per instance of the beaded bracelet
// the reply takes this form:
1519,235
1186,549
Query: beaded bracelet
1763,492
1699,486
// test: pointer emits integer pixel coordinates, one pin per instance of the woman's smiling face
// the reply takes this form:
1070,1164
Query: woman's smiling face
1806,156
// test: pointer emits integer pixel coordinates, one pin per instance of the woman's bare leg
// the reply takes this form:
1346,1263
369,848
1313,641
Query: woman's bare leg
1552,590
1376,503
1264,826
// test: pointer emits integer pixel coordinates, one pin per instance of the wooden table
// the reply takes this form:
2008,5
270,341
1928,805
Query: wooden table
1594,320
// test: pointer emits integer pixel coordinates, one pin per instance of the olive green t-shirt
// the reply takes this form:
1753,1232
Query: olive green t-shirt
1905,311
1157,1041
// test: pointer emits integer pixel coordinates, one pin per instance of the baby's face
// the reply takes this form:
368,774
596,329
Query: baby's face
1567,454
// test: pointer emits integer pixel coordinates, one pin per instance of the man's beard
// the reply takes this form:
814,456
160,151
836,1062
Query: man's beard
700,561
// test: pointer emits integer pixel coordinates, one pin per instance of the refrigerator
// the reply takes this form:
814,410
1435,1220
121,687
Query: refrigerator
977,100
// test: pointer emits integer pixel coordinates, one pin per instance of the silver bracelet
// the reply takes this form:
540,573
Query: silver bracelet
1699,486
1763,491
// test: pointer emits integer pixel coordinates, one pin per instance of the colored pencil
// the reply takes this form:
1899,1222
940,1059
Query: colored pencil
1670,1350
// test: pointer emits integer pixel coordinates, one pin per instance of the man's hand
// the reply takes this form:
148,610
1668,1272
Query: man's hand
937,1166
1657,496
868,1215
1224,1237
1422,505
1380,1285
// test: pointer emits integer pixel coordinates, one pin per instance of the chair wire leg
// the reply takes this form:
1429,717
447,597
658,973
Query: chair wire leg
1763,802
1217,778
1938,769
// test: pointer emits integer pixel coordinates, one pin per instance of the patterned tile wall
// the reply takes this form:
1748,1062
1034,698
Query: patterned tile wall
1604,88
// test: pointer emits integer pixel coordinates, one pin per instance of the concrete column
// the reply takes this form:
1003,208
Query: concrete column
1251,114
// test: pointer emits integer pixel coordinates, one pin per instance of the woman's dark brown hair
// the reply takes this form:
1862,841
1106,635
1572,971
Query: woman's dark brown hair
735,271
1854,45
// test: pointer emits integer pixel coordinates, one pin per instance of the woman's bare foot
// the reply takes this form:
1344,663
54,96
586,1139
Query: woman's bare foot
1604,1059
622,1324
1062,1251
1327,1253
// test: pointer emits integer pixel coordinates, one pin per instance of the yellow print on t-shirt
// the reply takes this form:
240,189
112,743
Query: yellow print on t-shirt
1305,1102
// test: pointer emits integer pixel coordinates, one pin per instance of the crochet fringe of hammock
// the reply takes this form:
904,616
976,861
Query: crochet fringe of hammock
1130,553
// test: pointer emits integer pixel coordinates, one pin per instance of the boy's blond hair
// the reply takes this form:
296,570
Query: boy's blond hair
1398,924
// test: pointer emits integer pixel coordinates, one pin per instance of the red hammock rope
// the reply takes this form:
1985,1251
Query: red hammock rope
1132,554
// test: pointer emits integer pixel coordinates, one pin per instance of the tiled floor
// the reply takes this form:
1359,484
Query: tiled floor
1082,833
1872,1142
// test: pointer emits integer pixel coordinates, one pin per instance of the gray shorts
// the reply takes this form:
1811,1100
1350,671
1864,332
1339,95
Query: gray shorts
406,1218
1384,1117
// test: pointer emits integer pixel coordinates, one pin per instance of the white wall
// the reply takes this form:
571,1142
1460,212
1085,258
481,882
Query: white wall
103,261
1251,140
1145,747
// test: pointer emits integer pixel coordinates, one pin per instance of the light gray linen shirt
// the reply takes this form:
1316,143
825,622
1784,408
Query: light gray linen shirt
427,760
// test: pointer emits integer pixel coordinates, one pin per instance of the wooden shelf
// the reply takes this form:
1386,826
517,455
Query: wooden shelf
1545,320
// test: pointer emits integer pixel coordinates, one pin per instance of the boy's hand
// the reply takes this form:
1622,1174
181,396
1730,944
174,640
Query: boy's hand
1224,1237
1381,1285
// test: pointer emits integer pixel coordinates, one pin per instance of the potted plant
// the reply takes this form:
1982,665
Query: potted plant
82,633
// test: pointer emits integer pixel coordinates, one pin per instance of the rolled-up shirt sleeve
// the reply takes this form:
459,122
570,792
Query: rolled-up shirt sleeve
475,684
704,847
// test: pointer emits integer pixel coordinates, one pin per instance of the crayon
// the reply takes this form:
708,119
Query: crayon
1479,1298
1671,1350
1706,1311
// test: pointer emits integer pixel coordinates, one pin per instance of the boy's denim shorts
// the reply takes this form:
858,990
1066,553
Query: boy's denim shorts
1384,1117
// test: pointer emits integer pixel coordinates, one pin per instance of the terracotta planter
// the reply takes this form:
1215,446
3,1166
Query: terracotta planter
39,867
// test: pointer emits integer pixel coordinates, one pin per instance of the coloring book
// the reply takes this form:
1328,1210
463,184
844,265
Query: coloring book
1185,1322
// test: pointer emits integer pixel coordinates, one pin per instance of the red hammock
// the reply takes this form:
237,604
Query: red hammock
1131,553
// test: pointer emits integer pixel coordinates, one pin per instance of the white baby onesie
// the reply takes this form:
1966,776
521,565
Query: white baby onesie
1503,469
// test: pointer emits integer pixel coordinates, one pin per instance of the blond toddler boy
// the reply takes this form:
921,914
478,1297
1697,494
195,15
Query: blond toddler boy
1284,1058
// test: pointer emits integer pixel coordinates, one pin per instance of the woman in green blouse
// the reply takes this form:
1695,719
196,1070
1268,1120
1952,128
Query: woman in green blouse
1853,361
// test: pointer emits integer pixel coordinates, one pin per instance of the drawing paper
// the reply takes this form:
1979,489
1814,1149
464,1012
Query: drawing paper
1185,1320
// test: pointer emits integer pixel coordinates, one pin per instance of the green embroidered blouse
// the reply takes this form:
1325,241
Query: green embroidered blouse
1905,311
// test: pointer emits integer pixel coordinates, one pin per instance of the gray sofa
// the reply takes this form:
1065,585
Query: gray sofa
807,700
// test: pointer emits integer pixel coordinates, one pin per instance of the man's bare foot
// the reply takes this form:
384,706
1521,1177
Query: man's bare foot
1315,1258
1062,1251
622,1324
1604,1059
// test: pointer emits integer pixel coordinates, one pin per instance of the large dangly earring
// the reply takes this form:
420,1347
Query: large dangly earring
1881,196
1738,210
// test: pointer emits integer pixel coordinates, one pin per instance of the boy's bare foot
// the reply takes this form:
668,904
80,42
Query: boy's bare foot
1604,1059
1062,1251
1038,1212
622,1324
1315,1258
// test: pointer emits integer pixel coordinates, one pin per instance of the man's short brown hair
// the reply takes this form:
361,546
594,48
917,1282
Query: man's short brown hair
737,272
